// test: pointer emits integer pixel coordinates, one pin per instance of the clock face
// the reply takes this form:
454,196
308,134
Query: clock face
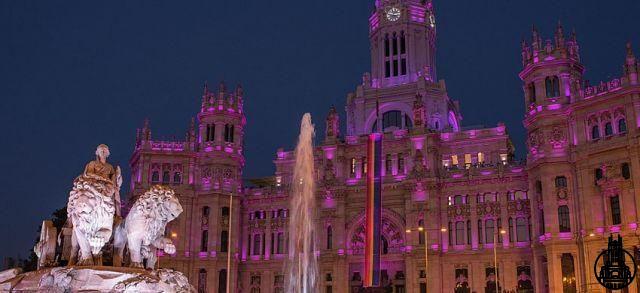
393,14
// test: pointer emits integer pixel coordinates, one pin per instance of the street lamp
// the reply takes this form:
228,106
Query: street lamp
426,248
495,257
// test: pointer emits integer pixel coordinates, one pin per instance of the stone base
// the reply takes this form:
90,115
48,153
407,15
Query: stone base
95,279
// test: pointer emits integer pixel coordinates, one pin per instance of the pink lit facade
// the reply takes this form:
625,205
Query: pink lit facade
463,186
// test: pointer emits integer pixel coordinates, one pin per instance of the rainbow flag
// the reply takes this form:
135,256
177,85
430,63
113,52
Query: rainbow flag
373,211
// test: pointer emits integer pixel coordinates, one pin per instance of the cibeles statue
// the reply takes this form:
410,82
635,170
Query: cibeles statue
94,203
143,229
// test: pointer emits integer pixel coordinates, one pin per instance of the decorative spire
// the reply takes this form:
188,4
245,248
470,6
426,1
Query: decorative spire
559,36
206,88
535,38
222,87
146,130
629,51
239,90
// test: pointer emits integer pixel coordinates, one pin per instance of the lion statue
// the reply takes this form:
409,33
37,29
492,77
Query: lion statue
92,214
143,229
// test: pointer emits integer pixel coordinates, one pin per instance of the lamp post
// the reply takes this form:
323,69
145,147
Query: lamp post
426,248
229,243
495,257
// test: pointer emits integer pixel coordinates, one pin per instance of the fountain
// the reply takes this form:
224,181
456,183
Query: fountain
302,264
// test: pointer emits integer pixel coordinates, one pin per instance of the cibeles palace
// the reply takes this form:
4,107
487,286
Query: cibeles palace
547,217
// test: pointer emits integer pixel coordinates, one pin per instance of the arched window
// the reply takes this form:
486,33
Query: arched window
622,125
202,281
177,177
421,234
595,132
211,132
204,241
155,176
166,177
556,86
224,241
598,175
392,119
480,231
459,233
548,85
232,133
625,170
608,129
499,228
561,182
488,231
521,230
532,93
563,219
329,238
615,210
205,211
400,163
222,281
403,45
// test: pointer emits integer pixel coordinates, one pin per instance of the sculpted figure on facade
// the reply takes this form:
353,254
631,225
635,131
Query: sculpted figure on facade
94,201
144,228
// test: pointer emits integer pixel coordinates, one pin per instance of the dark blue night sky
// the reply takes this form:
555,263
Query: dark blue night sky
74,74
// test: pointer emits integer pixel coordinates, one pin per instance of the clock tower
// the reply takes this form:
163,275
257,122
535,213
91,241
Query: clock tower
403,41
402,91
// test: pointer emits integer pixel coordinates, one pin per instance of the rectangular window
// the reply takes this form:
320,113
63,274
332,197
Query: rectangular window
480,158
364,165
387,68
388,164
454,160
395,45
521,230
480,231
467,160
563,219
488,231
400,163
352,169
395,67
403,66
386,47
256,244
280,241
615,210
459,233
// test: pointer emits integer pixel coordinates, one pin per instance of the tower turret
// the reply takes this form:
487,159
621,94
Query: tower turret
403,41
220,138
552,73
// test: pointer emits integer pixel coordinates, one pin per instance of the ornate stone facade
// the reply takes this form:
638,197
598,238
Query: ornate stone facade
462,186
